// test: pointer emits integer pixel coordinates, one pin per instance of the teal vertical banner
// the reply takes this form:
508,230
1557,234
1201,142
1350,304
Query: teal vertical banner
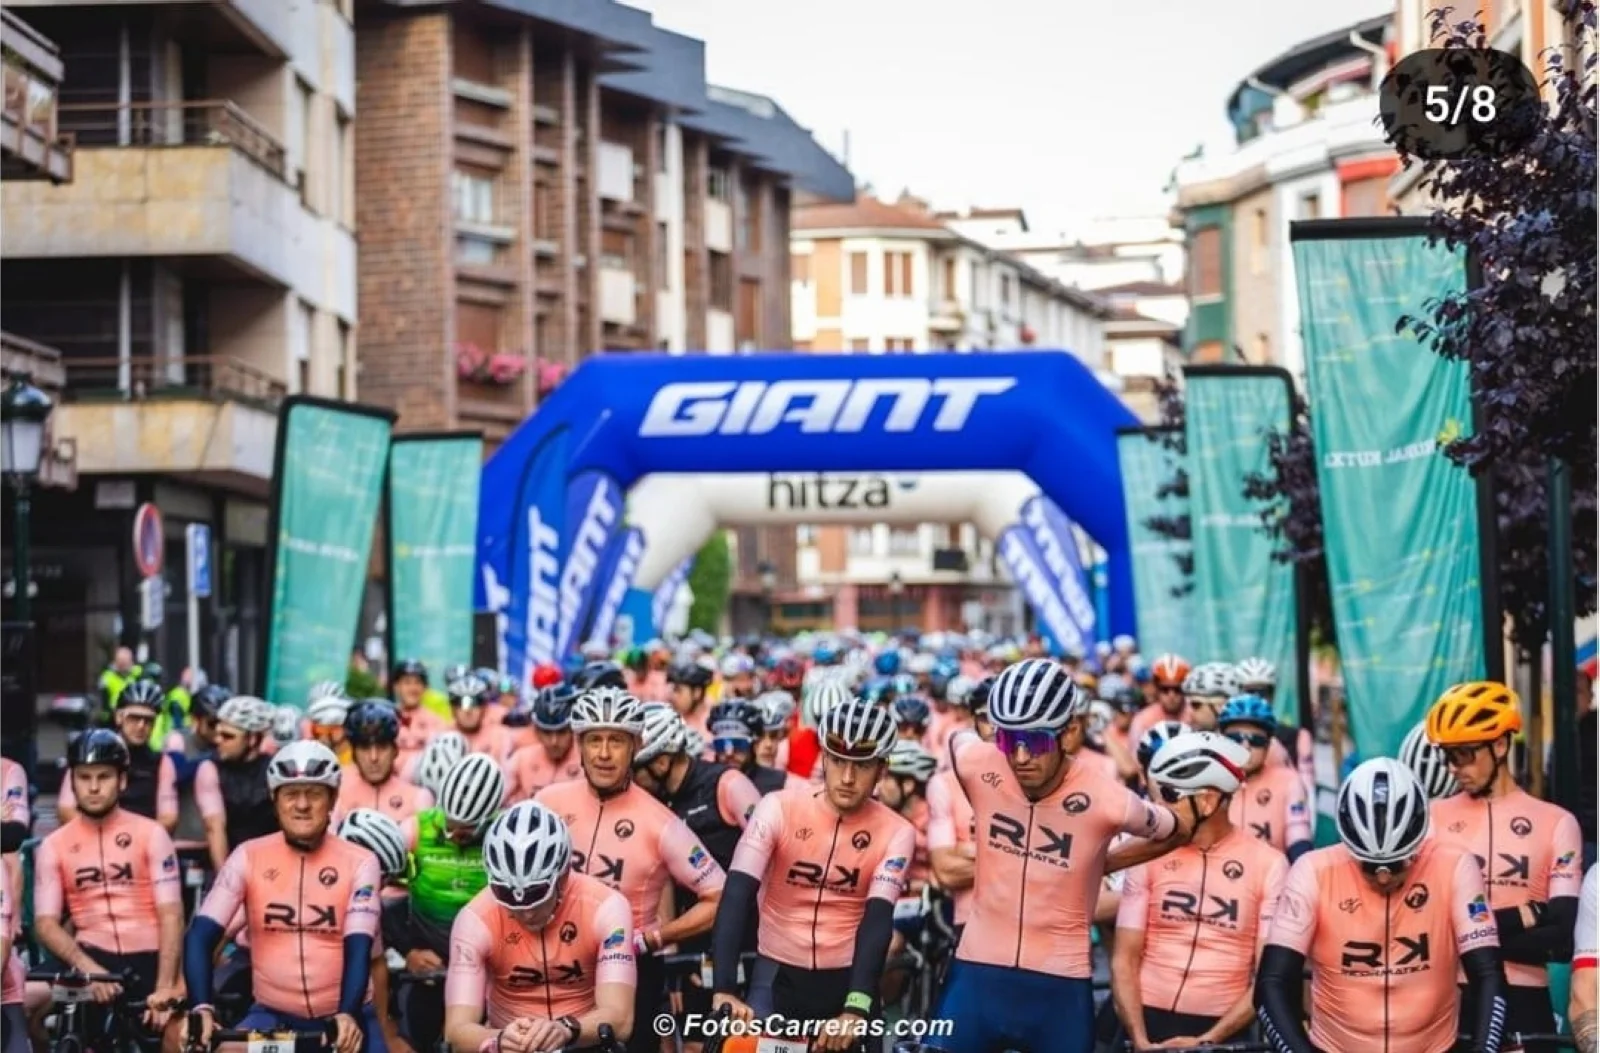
1400,520
1244,600
327,482
433,545
1165,621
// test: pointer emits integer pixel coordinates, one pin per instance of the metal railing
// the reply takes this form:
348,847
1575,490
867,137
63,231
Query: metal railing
203,122
214,377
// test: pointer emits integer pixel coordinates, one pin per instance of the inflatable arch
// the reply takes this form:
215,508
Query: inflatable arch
552,521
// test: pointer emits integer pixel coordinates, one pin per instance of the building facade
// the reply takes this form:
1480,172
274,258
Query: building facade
199,267
539,182
1307,146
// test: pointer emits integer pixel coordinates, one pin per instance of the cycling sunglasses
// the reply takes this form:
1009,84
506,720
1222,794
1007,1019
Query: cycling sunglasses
1381,869
839,746
1169,689
1458,756
1254,740
1171,795
730,745
1037,741
529,897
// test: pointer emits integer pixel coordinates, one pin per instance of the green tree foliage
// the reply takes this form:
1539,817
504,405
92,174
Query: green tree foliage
710,580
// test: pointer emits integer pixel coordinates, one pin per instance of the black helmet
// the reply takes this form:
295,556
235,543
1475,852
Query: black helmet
372,722
737,712
410,667
98,746
978,700
452,673
552,710
153,671
144,693
207,702
690,674
600,674
469,691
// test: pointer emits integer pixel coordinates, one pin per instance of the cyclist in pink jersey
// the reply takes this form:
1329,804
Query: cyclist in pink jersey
470,698
13,974
543,957
418,723
16,815
1272,803
115,874
689,682
1039,817
1530,851
632,842
551,758
1190,928
1167,675
152,783
1257,676
826,866
372,727
311,908
1384,919
951,825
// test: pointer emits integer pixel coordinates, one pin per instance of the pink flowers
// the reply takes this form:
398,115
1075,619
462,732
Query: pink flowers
481,366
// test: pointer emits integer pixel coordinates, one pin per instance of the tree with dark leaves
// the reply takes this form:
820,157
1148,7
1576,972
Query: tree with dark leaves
1169,433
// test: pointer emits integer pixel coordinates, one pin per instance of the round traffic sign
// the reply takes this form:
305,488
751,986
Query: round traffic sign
149,540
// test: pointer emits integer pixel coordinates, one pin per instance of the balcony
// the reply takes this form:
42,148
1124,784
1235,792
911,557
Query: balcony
174,179
42,366
210,417
615,182
30,146
946,316
619,292
719,225
215,25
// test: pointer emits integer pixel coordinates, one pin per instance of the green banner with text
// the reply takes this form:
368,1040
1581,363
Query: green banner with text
1400,520
327,485
1165,623
433,538
1244,600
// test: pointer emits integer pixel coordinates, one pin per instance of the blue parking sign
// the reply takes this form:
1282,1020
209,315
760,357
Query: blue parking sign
198,536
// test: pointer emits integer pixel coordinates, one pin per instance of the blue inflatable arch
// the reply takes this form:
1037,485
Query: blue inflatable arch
551,511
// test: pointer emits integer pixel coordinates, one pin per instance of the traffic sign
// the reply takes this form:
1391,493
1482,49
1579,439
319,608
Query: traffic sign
198,538
152,603
149,540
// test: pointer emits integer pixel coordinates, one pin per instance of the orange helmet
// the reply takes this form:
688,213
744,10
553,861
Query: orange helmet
1472,713
1169,670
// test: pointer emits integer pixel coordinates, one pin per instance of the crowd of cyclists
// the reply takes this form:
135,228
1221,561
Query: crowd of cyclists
840,841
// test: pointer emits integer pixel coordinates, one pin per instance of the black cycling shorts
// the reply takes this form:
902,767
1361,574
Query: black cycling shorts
797,994
1163,1024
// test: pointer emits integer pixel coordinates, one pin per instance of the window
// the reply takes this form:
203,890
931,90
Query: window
1205,262
861,345
309,170
721,281
749,217
1311,206
805,535
858,274
897,274
474,198
346,380
904,541
1005,290
893,344
802,345
1260,238
344,167
950,278
718,185
661,145
663,258
861,541
800,268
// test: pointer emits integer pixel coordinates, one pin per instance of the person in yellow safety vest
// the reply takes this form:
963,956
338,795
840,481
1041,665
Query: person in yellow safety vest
118,675
174,713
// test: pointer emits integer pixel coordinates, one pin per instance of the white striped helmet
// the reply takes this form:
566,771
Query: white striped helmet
328,710
1382,814
1212,680
303,764
285,723
824,696
857,730
911,760
1152,741
1035,694
1200,760
438,757
526,853
249,714
473,791
381,836
325,689
602,708
694,743
776,709
1427,763
661,732
1256,672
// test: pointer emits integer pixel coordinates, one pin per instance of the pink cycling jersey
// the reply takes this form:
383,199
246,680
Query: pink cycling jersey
634,844
299,908
395,797
950,826
737,798
417,726
208,791
14,793
500,966
166,790
1044,859
817,870
111,876
491,739
1271,806
531,770
1150,716
14,978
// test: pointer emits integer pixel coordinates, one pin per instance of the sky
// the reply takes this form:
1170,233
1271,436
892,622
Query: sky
1070,109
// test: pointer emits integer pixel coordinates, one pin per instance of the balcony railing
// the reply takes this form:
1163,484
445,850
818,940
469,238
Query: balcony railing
212,377
205,122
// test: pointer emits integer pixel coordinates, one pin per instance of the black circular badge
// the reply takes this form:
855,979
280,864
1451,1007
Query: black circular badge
1446,103
1075,804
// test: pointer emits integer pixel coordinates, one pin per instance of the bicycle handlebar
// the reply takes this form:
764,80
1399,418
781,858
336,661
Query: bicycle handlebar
73,978
425,976
606,1042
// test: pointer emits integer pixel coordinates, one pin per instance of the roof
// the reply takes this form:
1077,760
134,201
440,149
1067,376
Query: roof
1128,317
758,127
864,213
1309,55
1140,289
989,213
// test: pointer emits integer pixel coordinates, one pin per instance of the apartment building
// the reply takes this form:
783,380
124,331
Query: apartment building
198,267
542,181
1308,145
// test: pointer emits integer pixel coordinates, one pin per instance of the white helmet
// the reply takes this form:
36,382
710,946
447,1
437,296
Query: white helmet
1427,763
438,757
1211,680
303,764
1035,694
857,730
1122,643
959,689
911,760
285,723
1382,813
249,714
1200,760
1256,673
526,852
602,708
824,696
661,732
694,743
473,791
1100,715
737,665
1110,685
381,836
328,710
1152,741
921,664
324,689
776,709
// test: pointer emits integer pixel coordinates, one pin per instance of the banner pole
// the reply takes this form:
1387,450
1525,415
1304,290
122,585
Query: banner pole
1494,649
1563,657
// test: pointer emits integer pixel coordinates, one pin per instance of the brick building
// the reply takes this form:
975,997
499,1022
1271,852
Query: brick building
540,181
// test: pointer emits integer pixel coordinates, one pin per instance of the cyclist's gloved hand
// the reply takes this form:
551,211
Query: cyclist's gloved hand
736,1009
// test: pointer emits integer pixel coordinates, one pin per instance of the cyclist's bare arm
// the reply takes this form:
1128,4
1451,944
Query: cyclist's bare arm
213,813
48,902
613,1004
1127,955
1136,850
952,867
167,793
950,861
678,846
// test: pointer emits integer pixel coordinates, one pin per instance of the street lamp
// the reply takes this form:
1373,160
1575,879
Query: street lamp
896,589
769,582
24,410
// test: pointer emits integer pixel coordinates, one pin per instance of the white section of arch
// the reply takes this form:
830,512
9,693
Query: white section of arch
678,512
